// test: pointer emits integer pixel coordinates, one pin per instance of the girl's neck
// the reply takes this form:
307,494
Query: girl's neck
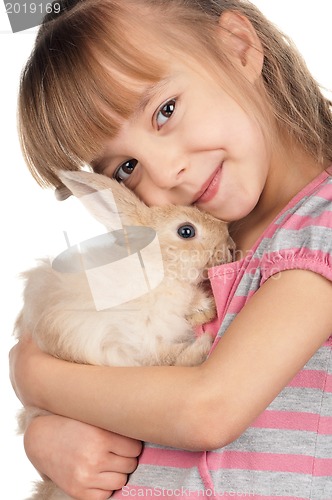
287,176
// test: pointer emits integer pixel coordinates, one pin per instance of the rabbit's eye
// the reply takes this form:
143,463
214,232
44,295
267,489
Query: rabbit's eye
187,231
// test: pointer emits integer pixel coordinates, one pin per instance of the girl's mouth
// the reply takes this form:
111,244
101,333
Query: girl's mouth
210,188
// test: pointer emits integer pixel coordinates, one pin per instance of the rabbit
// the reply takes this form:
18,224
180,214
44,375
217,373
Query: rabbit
154,328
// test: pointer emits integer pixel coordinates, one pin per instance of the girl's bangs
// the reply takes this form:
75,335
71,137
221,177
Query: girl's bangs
90,77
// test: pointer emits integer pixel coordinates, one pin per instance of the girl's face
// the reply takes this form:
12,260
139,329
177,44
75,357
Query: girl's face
190,143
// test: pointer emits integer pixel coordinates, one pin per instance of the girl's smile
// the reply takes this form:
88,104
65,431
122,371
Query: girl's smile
209,189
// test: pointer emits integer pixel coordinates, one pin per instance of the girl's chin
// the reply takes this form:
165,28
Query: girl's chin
230,212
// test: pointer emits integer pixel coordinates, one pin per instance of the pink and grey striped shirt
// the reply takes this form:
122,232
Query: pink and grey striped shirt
286,454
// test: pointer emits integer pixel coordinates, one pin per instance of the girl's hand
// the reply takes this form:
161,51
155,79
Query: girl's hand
86,462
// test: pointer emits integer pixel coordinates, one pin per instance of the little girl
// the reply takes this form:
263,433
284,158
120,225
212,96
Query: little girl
204,103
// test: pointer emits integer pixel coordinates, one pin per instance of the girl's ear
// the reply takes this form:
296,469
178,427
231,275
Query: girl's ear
244,47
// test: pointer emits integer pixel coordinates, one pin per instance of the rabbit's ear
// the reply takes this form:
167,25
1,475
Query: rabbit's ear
82,183
109,202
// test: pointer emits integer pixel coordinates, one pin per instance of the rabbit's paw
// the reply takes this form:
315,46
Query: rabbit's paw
204,313
196,352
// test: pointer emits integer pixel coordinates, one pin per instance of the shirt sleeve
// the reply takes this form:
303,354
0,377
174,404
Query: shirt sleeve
303,240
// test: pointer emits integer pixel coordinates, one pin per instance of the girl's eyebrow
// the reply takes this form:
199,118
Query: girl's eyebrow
152,92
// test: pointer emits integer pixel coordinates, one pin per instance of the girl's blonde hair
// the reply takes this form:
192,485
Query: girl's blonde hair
92,61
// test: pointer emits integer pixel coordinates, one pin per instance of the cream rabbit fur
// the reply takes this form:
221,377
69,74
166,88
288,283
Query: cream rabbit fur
156,328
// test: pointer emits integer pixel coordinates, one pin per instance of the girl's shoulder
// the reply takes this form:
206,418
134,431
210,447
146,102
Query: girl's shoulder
301,236
313,199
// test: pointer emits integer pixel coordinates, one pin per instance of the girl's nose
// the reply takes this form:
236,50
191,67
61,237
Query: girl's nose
166,170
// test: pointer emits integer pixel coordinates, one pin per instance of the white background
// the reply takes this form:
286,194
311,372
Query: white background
25,206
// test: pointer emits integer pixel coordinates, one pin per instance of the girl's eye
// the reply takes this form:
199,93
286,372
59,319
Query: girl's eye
187,231
165,112
124,171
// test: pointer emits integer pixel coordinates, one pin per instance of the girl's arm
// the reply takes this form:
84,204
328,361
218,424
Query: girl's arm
194,408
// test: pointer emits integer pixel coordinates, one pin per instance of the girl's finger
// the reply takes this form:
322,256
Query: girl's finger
124,446
109,481
119,464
